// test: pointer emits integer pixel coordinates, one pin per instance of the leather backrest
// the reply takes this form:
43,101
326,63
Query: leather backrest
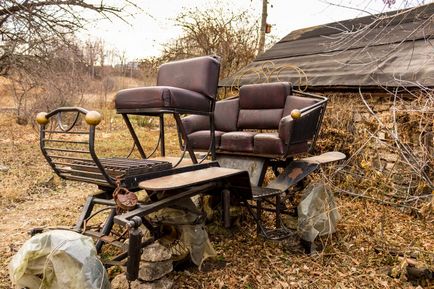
261,105
198,74
297,102
226,115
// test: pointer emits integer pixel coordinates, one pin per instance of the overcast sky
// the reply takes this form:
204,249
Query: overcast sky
150,28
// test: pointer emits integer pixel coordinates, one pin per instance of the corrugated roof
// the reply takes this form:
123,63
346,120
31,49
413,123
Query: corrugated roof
390,49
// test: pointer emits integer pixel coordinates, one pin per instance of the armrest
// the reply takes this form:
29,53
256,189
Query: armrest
286,126
194,123
302,126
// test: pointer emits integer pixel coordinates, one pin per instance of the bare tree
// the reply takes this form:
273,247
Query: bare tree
27,27
58,79
233,36
94,54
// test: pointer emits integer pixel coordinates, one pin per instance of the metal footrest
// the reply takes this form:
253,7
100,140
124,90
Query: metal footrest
122,167
259,192
87,170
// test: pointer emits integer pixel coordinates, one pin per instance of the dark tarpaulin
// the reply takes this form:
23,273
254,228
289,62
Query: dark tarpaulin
392,49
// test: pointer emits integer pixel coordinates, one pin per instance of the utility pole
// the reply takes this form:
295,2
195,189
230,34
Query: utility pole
263,27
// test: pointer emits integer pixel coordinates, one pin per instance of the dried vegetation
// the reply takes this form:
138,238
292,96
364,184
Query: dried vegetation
372,249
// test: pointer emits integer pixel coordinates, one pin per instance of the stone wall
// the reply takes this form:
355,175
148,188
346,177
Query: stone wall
389,142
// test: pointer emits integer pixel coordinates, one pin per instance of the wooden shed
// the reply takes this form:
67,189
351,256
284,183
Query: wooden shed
393,49
378,72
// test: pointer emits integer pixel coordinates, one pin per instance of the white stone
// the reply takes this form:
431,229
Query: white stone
120,282
150,271
155,253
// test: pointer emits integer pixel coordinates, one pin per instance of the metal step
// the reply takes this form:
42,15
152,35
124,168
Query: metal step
260,192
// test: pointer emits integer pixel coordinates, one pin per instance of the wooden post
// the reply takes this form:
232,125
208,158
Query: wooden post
263,27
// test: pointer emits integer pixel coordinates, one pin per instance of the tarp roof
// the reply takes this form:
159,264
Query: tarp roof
391,49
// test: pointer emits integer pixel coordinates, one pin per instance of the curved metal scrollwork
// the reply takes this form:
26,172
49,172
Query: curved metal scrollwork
267,72
60,122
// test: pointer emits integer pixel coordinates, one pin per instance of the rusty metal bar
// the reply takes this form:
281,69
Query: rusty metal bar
85,213
278,214
67,109
66,141
212,132
67,150
123,219
226,198
258,216
69,132
184,136
75,165
108,225
134,248
84,179
99,235
124,255
62,170
68,158
271,210
95,158
68,128
134,136
44,152
162,139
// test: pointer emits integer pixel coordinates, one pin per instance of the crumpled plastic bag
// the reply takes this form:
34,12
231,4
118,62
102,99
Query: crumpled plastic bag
196,240
58,259
317,212
193,235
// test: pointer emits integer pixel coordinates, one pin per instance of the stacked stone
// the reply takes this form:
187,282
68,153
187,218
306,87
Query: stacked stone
155,265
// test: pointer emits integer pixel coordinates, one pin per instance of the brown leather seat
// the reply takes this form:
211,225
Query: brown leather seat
259,107
185,85
197,126
161,97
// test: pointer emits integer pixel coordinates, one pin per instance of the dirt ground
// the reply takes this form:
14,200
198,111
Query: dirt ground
372,242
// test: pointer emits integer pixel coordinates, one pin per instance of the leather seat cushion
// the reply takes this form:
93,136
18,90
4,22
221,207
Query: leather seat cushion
201,139
161,97
264,95
237,141
261,105
268,143
259,118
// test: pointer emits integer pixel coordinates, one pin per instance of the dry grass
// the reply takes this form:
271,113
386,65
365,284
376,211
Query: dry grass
358,256
5,99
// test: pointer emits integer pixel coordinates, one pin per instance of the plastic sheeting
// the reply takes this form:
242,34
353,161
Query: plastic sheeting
58,259
192,231
317,212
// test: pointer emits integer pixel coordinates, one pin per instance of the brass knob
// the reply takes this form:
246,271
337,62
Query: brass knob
41,118
295,113
93,117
